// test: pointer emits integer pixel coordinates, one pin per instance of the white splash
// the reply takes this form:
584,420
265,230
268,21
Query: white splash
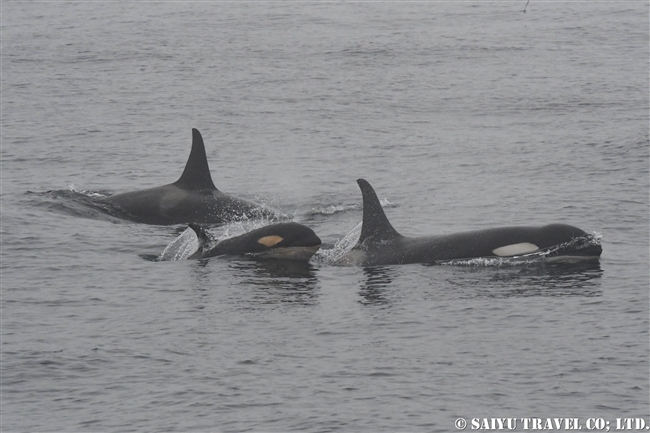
182,247
342,246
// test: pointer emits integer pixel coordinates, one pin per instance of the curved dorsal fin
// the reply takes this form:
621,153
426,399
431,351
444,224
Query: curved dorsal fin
197,173
201,234
375,224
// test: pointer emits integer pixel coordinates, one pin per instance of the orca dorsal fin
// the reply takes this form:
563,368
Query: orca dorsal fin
375,225
201,234
197,173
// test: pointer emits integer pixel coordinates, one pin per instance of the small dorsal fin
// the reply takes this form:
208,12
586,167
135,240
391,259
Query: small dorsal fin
375,225
202,234
197,173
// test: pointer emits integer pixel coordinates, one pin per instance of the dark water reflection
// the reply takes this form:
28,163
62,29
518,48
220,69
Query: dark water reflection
553,279
257,282
377,278
539,279
280,281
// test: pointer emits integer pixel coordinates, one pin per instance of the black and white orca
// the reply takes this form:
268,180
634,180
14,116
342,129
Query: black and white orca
380,244
193,198
289,241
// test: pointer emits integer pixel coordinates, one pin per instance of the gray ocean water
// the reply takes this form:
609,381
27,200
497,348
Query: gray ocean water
462,115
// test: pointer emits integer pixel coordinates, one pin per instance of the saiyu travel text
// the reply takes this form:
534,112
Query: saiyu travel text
553,424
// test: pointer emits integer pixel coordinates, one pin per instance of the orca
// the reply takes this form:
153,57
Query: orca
289,241
380,244
193,198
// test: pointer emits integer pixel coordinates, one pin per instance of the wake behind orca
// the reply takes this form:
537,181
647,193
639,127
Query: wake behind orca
193,198
380,244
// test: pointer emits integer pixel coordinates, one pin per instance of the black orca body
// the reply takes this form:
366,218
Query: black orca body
291,241
193,198
380,244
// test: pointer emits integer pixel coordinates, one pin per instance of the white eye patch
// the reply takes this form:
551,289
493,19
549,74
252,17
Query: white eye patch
515,249
269,241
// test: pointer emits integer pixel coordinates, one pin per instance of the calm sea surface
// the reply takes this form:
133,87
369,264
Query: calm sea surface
462,116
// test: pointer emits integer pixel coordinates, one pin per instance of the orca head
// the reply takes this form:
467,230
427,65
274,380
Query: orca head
555,234
196,175
556,242
375,227
571,243
291,241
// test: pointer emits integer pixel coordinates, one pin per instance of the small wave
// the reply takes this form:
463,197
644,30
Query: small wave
332,209
341,208
385,203
89,193
488,262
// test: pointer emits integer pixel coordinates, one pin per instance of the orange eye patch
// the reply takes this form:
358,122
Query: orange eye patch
269,241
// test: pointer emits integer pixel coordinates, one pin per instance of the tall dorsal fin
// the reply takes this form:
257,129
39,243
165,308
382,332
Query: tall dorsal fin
197,173
375,224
